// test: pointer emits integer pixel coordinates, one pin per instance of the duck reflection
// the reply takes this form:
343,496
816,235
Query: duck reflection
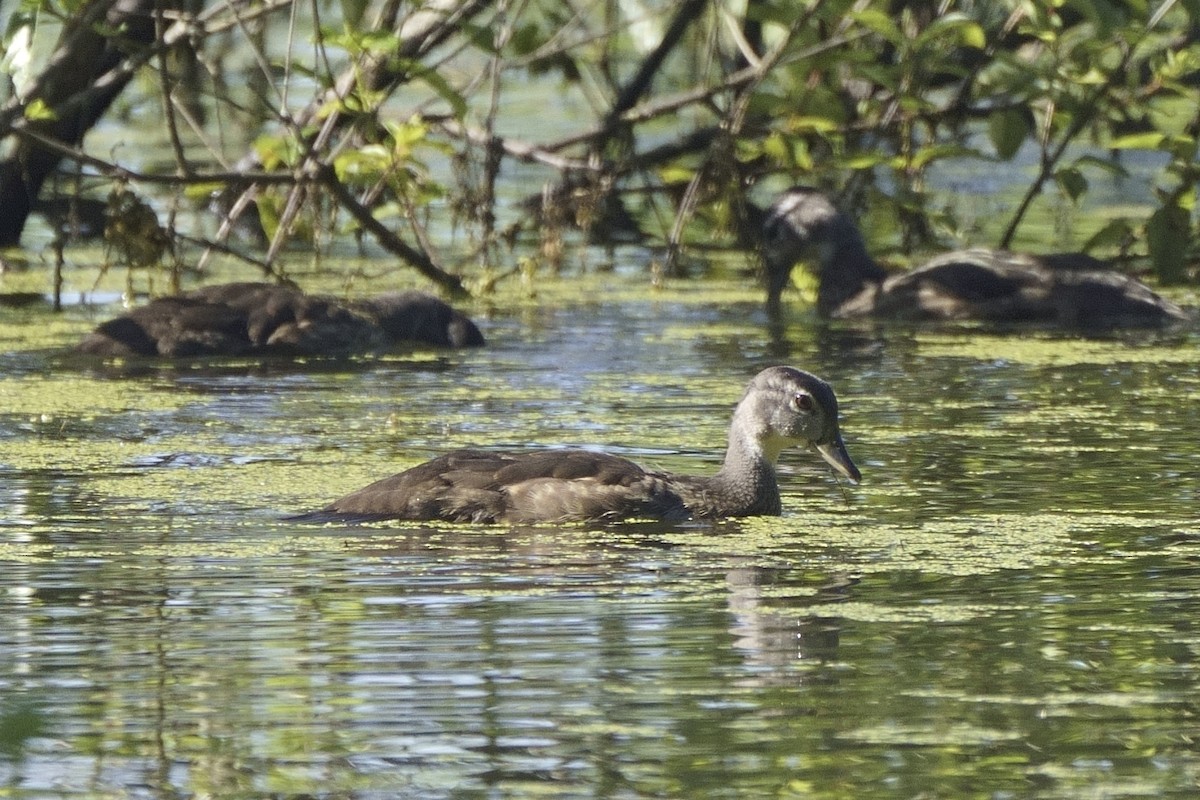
768,633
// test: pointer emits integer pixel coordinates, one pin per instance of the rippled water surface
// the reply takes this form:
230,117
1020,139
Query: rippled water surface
1006,607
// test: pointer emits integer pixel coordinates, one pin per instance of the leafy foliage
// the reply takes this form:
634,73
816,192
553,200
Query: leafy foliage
656,120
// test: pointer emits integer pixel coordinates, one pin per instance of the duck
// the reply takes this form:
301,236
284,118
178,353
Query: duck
256,318
1070,290
782,406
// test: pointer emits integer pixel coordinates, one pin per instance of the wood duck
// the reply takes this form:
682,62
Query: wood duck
781,407
1065,289
235,319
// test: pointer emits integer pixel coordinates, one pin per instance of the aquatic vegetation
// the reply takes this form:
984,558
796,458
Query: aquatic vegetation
1012,570
1052,351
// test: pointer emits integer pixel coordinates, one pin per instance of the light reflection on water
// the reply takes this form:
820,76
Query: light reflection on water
1003,608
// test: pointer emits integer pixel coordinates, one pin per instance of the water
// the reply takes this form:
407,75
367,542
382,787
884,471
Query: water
1004,608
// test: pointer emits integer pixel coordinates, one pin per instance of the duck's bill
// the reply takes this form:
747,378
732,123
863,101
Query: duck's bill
835,454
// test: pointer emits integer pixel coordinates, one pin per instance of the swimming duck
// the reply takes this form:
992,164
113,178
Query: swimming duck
782,406
234,319
1066,289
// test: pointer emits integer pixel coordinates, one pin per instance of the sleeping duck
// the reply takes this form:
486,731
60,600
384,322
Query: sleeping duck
1067,289
236,319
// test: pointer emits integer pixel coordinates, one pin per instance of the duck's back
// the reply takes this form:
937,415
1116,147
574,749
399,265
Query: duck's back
234,319
173,327
486,487
1067,289
967,284
284,320
231,319
420,317
1110,299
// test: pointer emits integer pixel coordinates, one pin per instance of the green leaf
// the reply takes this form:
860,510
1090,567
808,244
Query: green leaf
1072,182
801,156
439,84
1173,115
972,35
860,161
925,156
276,151
812,125
1008,130
776,148
38,111
676,175
1150,140
1109,165
788,151
1167,237
1116,234
352,11
363,164
880,23
958,27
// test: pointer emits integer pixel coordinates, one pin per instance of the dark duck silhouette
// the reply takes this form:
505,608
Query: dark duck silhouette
782,406
1064,289
235,319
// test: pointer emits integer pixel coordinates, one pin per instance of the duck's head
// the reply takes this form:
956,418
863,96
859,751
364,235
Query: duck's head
803,224
784,406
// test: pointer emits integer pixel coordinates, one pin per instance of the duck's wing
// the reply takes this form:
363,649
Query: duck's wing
969,284
173,327
273,312
1066,289
1095,299
541,486
284,320
244,295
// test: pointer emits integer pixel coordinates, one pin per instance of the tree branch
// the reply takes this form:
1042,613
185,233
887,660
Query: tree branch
386,238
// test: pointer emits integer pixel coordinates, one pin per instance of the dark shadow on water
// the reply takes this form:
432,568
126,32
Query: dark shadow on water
644,532
864,337
259,366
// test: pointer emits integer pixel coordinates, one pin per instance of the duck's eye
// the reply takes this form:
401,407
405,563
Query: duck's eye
802,402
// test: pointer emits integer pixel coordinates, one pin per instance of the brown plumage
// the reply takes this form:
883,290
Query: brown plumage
1065,289
234,319
781,407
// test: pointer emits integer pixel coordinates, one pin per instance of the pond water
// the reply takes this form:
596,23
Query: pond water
1006,606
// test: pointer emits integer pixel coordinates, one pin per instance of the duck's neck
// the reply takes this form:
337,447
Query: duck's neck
745,485
847,269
